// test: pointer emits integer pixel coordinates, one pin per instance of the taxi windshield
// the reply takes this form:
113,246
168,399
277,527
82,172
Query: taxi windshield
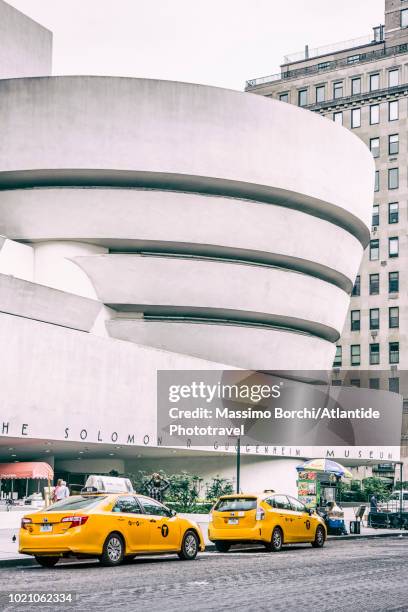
236,503
76,502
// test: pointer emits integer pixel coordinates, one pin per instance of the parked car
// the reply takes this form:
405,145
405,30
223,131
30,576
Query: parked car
271,519
393,504
109,526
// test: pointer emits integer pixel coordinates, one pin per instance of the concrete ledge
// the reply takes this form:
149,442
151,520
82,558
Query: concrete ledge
40,303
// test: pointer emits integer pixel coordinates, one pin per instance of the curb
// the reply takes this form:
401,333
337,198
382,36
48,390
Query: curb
4,563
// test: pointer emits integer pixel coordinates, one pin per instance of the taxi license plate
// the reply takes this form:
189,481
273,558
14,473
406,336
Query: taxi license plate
233,521
46,528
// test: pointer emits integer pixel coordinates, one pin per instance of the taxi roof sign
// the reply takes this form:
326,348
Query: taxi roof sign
107,484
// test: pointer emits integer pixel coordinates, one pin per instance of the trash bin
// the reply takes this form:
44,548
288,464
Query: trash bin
355,527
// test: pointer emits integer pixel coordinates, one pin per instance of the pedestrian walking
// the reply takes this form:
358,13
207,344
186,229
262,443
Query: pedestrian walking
373,503
65,490
58,494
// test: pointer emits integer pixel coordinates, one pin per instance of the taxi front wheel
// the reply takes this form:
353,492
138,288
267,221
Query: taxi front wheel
113,550
189,547
47,561
319,538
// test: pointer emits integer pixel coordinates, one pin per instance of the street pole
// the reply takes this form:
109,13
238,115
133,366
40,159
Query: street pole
400,512
238,463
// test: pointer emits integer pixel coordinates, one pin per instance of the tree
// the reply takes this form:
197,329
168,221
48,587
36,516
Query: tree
376,486
219,486
184,491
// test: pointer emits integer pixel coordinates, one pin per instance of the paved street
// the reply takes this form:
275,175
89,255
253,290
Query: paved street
345,575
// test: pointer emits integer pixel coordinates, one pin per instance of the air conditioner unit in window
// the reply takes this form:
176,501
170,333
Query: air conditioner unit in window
394,368
394,295
374,228
374,334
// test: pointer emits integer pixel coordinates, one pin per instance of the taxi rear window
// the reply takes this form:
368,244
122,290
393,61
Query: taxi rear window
76,502
236,503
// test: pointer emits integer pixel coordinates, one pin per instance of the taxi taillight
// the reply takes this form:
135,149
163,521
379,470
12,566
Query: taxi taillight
25,522
76,521
260,514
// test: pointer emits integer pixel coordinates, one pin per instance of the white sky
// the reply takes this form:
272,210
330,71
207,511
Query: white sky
214,42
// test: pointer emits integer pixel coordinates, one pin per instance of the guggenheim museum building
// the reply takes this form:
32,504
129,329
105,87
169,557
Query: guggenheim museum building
153,225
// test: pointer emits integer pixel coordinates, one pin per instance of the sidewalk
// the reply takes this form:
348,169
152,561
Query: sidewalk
9,555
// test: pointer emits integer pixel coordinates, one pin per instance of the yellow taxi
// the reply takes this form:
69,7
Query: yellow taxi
272,519
112,523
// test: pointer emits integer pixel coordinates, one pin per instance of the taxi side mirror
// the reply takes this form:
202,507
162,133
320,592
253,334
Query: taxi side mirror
173,512
311,511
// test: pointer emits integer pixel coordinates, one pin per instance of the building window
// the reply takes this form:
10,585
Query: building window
323,65
356,118
355,86
374,284
374,82
393,317
393,78
355,354
338,358
378,33
338,90
376,215
393,385
393,212
374,250
404,18
338,118
394,352
374,383
355,320
393,144
393,178
355,382
357,286
374,318
374,353
375,147
284,97
393,282
320,93
393,246
393,110
353,59
377,181
302,97
374,114
336,383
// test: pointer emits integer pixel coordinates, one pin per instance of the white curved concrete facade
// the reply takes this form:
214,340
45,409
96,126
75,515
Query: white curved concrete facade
227,343
243,199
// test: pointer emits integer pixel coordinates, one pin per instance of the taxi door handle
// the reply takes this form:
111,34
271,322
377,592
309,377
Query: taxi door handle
121,519
152,520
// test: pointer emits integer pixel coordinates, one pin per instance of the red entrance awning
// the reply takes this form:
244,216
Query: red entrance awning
26,469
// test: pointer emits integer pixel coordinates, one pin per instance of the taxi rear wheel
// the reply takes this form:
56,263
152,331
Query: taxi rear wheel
113,550
47,561
276,542
189,547
319,538
222,546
